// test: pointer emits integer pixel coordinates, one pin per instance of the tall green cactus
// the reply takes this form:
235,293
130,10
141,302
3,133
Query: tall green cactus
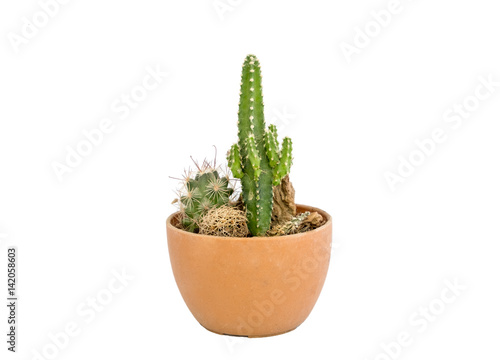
257,159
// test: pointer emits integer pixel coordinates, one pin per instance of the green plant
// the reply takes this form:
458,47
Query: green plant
202,191
257,158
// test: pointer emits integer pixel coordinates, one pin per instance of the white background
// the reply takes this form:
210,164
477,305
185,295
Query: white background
349,121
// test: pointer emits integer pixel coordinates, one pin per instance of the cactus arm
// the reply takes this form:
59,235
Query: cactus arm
286,154
234,161
272,149
274,130
285,162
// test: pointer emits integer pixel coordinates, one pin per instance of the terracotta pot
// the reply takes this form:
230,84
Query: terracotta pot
256,286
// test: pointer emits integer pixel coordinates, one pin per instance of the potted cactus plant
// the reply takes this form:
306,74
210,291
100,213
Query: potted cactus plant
250,262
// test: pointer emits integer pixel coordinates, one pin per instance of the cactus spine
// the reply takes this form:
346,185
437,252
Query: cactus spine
257,159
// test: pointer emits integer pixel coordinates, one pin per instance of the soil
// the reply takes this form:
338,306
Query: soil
284,218
312,221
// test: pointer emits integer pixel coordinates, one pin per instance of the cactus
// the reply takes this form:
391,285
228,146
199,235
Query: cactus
257,159
202,192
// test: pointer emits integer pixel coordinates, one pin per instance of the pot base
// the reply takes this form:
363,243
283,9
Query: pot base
248,336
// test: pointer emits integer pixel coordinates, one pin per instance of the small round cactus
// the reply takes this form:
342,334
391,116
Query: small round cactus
202,191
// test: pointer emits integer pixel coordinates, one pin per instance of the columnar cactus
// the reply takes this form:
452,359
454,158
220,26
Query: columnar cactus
257,159
202,193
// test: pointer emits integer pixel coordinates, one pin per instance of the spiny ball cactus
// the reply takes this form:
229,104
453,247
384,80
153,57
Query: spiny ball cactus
257,158
200,194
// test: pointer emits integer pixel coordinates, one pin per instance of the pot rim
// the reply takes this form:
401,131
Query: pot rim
257,238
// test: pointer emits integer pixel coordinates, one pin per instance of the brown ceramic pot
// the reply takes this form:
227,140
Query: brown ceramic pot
256,286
